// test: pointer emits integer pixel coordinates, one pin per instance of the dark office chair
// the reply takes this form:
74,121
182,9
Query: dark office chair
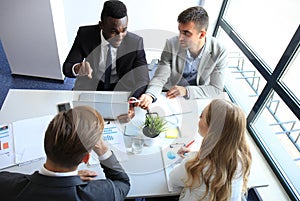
253,194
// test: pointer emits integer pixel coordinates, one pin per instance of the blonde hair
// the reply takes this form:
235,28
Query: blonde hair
72,134
218,167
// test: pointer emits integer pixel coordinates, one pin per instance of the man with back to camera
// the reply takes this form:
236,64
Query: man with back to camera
192,64
106,57
69,139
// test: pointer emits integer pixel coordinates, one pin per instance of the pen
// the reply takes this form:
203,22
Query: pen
186,146
190,143
134,101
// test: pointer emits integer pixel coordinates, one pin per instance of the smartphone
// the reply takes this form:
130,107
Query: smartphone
63,107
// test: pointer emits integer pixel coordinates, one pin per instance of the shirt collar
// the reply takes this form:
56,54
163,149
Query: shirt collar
47,172
199,55
103,41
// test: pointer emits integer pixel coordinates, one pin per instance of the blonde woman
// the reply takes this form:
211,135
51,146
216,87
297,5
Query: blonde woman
219,170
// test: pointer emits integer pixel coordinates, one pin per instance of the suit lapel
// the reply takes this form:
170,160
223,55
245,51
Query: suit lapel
179,66
204,63
180,62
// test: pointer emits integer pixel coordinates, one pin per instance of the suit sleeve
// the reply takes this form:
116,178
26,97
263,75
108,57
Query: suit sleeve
115,172
140,70
75,56
162,72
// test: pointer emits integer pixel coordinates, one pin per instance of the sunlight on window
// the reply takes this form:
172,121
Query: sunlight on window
279,129
292,76
267,25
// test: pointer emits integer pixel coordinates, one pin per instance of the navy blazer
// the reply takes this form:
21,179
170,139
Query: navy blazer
37,187
131,64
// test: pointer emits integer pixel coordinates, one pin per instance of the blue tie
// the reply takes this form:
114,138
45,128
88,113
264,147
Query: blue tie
108,69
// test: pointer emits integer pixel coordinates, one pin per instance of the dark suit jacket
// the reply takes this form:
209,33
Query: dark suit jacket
131,64
37,187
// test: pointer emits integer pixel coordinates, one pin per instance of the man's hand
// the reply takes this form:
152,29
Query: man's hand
176,91
100,148
125,118
146,100
87,175
84,69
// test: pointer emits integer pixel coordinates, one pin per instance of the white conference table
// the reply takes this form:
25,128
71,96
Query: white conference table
145,170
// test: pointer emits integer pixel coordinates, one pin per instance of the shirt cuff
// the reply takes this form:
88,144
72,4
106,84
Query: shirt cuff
187,96
105,156
73,71
153,97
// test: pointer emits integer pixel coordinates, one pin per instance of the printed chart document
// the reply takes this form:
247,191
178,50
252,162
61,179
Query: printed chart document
114,138
23,141
6,146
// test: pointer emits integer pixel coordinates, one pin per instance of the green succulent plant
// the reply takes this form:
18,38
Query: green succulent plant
153,125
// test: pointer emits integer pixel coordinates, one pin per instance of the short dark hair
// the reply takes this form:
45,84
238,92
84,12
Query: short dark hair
196,14
72,134
113,8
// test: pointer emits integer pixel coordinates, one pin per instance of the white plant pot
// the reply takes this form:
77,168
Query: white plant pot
148,141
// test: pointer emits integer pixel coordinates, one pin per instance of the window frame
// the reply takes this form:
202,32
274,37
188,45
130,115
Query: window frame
273,83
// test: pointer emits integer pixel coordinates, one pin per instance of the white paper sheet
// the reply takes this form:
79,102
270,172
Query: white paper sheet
28,137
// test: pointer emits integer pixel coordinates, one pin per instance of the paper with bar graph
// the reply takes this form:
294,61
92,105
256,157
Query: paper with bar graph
114,138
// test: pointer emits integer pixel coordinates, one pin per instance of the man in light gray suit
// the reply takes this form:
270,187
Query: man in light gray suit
192,64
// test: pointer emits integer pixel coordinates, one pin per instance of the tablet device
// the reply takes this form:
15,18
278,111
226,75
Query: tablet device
110,104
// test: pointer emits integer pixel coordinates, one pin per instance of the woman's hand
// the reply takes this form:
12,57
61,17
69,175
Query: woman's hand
182,152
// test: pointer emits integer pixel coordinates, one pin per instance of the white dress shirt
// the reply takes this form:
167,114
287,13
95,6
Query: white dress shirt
46,172
102,62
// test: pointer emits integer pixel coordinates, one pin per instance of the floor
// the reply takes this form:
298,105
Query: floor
9,81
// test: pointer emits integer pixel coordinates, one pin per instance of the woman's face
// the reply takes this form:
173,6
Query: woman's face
202,125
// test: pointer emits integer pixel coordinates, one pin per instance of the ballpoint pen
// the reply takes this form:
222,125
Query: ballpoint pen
186,146
133,100
190,143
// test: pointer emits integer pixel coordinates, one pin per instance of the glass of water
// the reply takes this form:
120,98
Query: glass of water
137,144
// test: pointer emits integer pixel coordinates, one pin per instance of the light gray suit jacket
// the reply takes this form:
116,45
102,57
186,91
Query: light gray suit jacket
211,69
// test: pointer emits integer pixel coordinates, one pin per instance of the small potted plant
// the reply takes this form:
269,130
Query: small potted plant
153,125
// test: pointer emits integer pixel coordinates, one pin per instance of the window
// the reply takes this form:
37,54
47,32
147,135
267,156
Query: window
263,38
241,74
279,130
267,25
291,77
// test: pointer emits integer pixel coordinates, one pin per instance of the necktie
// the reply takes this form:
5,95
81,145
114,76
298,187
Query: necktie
108,69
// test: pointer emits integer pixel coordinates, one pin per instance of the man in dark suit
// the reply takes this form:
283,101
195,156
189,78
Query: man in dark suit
69,139
106,56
